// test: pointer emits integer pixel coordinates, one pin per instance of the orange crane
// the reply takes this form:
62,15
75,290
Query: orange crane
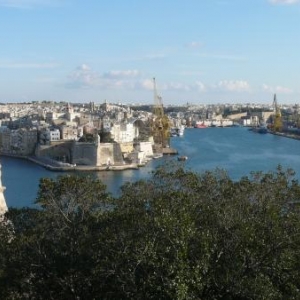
160,123
277,122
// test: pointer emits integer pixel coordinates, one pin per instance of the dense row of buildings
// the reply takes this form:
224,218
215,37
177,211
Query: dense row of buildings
59,132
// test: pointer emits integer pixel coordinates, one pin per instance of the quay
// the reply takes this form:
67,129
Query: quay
287,135
169,151
70,168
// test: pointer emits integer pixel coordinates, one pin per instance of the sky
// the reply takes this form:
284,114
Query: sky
198,51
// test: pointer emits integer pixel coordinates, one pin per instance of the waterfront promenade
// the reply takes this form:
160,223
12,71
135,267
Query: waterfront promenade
56,166
287,135
70,168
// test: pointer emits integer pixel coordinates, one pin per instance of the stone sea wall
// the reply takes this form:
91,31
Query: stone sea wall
86,154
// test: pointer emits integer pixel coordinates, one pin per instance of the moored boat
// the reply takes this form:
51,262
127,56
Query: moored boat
182,158
157,155
180,130
200,125
262,129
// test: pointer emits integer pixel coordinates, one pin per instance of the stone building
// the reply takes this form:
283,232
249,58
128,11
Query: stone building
69,132
19,142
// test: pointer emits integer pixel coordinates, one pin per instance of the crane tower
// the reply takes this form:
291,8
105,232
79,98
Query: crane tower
158,109
160,124
277,124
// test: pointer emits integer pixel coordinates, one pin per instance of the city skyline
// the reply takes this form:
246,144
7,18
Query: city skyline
208,51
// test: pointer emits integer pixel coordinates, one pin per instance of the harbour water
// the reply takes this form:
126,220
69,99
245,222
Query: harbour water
234,149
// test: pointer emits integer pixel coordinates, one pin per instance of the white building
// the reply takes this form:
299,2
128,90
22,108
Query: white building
54,135
124,132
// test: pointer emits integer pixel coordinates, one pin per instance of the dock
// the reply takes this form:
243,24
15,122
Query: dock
169,151
79,168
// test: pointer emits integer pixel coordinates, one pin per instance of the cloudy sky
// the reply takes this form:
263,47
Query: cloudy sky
199,51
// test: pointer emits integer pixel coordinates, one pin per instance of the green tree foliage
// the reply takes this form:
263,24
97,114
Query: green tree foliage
50,255
177,235
87,138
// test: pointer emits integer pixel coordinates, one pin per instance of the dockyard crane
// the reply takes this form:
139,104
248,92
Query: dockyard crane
277,123
160,123
158,109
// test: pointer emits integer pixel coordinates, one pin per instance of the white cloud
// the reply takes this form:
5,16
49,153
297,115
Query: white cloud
268,88
234,85
178,86
200,86
122,74
83,77
277,89
146,84
283,90
284,1
84,67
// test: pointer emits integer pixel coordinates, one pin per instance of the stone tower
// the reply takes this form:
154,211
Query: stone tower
3,206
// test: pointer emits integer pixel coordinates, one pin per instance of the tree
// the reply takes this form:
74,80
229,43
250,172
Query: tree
189,236
50,256
177,235
87,138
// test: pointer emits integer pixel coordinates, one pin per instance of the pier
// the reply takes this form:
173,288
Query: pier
79,168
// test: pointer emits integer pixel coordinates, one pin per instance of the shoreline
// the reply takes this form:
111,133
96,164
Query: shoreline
287,135
75,168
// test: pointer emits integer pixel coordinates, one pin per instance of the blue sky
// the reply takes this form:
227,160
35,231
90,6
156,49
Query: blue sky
199,51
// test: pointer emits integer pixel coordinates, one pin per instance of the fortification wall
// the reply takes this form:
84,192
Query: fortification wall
109,153
145,147
88,154
56,150
237,116
85,154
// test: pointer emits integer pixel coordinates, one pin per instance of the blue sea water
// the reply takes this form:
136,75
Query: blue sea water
236,150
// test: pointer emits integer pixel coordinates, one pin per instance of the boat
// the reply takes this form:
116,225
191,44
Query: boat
173,132
157,155
182,158
200,125
180,130
262,129
177,131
